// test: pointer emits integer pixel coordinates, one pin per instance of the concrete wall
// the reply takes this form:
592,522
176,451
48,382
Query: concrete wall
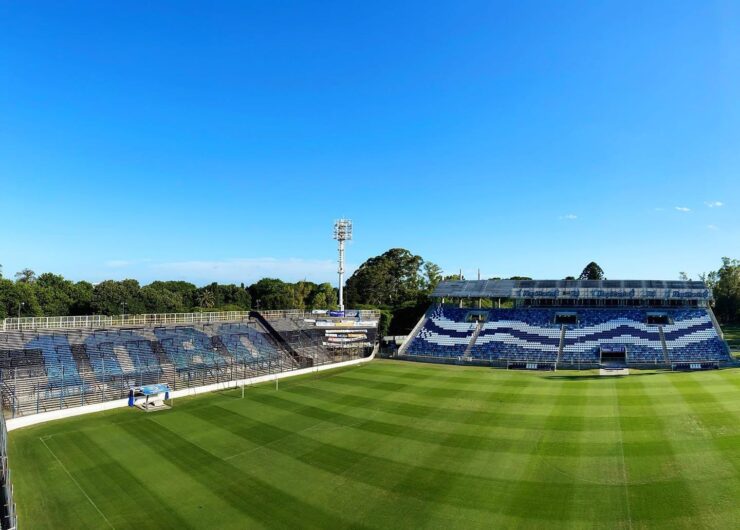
25,421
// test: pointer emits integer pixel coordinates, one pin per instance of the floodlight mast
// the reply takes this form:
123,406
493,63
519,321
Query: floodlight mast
342,233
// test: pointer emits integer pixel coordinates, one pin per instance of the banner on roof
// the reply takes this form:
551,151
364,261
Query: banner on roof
629,294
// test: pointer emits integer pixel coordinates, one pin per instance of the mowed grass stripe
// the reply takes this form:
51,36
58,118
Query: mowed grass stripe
121,496
506,416
571,381
441,432
718,499
543,497
253,497
525,401
402,444
378,472
672,501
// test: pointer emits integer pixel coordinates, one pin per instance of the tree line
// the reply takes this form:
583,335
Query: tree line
48,294
397,282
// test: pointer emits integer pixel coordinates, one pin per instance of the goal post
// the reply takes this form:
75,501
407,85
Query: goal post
150,397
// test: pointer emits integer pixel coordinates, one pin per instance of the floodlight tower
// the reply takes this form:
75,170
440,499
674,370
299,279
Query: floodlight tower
342,233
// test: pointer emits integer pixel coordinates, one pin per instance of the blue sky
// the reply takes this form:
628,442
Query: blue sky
218,141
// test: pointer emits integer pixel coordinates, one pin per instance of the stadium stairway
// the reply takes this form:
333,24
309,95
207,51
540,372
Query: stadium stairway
79,354
560,347
665,346
414,332
277,337
473,338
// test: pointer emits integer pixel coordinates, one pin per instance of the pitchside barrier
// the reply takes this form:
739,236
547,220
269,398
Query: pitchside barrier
700,365
9,519
224,384
541,366
463,360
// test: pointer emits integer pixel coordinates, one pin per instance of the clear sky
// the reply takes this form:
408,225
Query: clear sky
218,141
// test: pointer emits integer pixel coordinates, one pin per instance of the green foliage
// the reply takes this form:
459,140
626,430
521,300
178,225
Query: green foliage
725,284
399,284
592,271
406,316
271,293
391,279
25,276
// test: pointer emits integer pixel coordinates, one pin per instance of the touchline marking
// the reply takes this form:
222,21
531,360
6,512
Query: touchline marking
77,483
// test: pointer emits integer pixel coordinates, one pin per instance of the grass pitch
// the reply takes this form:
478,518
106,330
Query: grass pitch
392,445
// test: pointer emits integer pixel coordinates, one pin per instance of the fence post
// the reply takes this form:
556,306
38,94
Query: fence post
61,391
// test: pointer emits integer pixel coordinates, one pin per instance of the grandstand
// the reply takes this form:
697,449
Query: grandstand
48,364
570,324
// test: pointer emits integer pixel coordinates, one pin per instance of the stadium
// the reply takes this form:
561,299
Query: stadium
187,340
286,418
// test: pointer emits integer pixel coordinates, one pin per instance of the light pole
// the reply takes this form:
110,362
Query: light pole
123,310
342,233
20,304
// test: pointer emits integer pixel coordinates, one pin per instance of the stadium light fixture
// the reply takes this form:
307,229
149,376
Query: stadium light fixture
342,233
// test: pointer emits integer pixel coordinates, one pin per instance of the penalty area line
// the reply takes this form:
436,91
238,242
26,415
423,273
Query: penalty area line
43,441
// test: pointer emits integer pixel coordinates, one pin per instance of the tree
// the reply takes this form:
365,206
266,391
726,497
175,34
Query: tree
82,295
114,298
726,290
569,278
684,277
55,294
432,276
18,297
271,293
323,296
186,291
206,299
25,276
158,300
592,271
390,279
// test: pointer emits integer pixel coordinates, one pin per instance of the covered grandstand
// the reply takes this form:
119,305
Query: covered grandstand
549,324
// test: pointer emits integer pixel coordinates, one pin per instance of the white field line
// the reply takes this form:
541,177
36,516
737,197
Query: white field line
77,484
624,462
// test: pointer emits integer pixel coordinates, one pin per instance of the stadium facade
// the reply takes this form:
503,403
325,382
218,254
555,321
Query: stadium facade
550,324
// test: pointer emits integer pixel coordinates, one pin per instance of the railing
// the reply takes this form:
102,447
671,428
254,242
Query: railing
32,395
156,319
116,321
9,519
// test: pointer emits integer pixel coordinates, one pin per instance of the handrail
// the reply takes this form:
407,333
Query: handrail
155,319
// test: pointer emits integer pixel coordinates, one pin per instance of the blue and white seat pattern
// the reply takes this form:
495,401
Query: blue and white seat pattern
531,335
518,335
444,334
625,327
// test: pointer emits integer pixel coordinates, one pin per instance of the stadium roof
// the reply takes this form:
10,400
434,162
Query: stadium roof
622,289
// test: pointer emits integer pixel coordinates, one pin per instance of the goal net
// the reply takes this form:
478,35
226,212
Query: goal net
150,397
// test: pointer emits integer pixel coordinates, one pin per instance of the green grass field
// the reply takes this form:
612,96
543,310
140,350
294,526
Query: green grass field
394,444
